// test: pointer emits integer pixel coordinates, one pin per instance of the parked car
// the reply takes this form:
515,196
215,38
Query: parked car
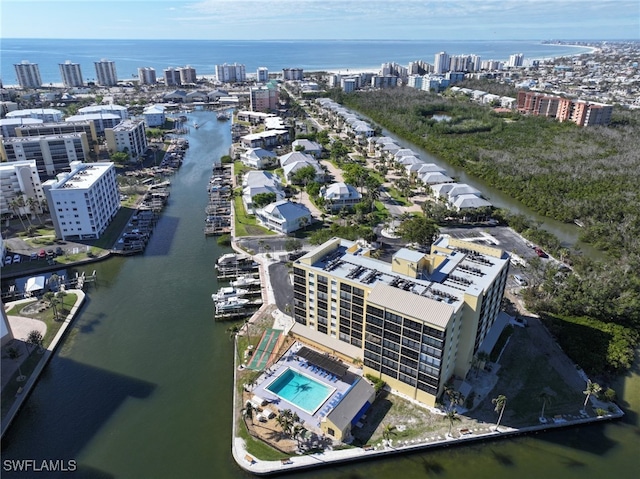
34,256
541,253
519,321
519,280
59,251
7,259
17,258
42,254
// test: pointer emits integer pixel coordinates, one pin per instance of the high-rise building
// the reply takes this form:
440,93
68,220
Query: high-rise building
147,76
231,73
106,73
416,321
441,63
295,74
83,202
71,74
171,77
28,74
262,75
187,75
516,60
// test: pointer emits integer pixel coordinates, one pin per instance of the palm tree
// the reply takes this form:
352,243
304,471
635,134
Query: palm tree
233,333
500,403
387,431
248,412
33,205
14,204
14,354
452,416
545,397
285,421
298,431
61,295
592,388
50,297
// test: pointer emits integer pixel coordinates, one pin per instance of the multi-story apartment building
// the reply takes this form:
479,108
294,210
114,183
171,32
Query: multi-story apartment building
415,321
127,136
44,114
171,76
384,81
119,110
516,60
20,178
53,153
71,74
106,73
187,75
264,98
28,74
295,74
83,202
147,76
441,63
61,128
580,112
231,73
262,75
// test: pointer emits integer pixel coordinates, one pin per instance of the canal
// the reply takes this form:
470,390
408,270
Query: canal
142,386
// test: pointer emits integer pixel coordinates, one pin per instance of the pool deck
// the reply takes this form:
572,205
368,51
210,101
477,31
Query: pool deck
288,361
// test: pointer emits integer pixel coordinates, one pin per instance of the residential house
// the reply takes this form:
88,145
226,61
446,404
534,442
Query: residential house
258,158
284,216
340,195
256,182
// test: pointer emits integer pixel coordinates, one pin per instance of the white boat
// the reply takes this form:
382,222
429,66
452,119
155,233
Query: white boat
228,292
246,280
231,304
231,259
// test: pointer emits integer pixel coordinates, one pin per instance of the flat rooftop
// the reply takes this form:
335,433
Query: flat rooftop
460,272
84,177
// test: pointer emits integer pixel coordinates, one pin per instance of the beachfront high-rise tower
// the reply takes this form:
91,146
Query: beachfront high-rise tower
71,74
106,73
28,74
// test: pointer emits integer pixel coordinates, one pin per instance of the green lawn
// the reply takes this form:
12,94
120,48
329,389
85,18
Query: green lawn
395,194
246,225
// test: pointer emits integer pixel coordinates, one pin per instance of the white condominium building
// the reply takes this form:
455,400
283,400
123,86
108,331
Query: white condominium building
231,73
84,201
20,178
71,74
415,321
262,75
147,76
441,62
106,73
53,154
44,114
187,75
28,74
127,136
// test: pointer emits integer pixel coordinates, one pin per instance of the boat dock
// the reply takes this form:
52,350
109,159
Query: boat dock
218,209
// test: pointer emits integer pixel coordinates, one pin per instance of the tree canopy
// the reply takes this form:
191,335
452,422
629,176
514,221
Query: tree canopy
418,230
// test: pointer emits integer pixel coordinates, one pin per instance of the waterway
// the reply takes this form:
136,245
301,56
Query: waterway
142,386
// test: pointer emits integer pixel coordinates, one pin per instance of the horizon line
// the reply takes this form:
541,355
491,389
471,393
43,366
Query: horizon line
334,39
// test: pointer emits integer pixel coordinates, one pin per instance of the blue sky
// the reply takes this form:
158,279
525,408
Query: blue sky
322,19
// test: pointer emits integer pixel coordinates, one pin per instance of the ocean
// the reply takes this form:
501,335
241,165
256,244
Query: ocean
203,55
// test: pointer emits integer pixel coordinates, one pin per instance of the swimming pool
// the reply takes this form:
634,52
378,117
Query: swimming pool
300,390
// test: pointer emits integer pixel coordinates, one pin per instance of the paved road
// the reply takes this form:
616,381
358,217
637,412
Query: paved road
282,287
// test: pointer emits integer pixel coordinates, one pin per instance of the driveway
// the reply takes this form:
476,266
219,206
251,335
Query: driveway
282,287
